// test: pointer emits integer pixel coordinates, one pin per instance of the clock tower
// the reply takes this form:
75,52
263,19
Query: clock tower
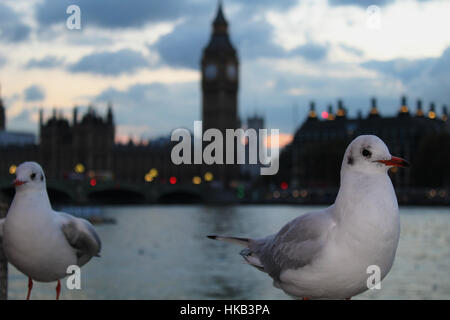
220,78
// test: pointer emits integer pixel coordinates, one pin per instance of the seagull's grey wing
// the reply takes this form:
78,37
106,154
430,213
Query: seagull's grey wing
295,245
81,236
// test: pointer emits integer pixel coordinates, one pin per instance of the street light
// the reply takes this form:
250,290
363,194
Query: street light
153,173
148,177
12,169
209,176
196,180
79,168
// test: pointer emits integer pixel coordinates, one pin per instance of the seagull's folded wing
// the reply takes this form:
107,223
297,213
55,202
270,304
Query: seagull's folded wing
81,236
295,245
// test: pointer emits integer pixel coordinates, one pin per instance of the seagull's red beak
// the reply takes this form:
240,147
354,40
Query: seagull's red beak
18,182
396,162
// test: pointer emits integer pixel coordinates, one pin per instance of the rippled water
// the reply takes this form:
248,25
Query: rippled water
161,252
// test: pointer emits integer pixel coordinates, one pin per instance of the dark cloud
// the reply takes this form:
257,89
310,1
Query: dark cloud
46,62
428,77
311,51
111,63
11,27
183,46
34,93
115,13
159,106
404,69
253,38
136,13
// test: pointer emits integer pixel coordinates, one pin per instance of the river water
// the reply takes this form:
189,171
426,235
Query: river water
161,252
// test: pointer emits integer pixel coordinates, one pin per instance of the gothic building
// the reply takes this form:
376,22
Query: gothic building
88,140
220,84
315,155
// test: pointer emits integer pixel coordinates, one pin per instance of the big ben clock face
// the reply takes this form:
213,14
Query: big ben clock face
231,71
210,71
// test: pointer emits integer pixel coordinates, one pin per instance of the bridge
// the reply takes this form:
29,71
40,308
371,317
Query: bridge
113,192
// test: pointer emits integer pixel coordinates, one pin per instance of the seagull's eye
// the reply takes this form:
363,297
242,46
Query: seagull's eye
366,153
33,175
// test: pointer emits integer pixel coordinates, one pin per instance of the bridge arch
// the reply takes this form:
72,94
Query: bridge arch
116,194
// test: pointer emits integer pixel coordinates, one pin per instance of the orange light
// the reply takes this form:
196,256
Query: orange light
93,182
12,169
172,180
208,176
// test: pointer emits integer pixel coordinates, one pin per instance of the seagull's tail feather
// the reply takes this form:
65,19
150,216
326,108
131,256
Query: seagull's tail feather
249,256
243,242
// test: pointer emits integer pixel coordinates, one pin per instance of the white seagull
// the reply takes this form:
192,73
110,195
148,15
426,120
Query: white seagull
326,254
39,241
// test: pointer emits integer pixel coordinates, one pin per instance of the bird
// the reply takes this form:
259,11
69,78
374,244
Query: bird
326,254
38,241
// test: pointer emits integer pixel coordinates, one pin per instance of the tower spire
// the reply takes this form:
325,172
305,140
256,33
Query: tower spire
373,108
220,23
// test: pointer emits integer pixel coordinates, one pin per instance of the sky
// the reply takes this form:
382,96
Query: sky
144,57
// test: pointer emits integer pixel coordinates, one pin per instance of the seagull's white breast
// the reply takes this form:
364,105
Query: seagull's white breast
34,242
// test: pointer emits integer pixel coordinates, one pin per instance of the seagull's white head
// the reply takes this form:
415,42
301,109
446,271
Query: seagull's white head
368,153
29,176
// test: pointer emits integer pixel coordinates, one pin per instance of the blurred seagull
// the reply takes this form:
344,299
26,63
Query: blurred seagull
39,241
326,254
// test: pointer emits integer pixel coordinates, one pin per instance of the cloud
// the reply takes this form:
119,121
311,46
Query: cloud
116,13
111,63
428,77
34,93
359,3
352,50
11,27
183,46
46,62
251,36
311,51
404,69
363,3
2,61
137,13
151,105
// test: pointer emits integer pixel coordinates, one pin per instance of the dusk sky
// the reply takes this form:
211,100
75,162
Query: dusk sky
144,57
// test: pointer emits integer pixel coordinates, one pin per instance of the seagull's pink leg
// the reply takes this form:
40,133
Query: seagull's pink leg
58,290
30,286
